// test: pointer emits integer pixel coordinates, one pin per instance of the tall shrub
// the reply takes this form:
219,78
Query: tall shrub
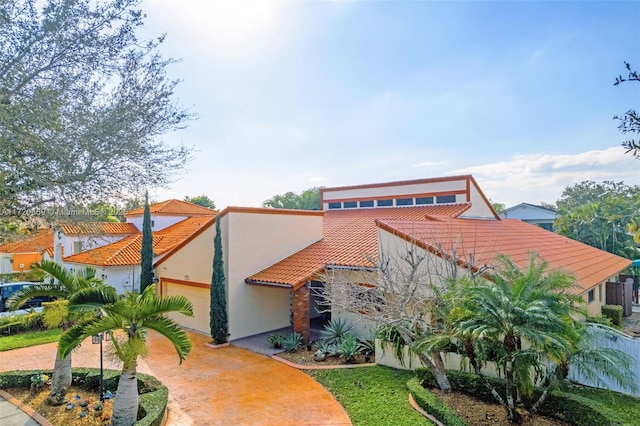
218,321
146,252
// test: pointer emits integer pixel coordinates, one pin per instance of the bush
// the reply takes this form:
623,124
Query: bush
349,347
570,408
432,405
17,324
153,394
613,312
275,340
292,342
336,330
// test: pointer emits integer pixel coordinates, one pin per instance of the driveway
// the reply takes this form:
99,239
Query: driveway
227,386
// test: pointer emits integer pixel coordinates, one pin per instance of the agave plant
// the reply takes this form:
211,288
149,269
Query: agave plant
292,342
336,330
349,347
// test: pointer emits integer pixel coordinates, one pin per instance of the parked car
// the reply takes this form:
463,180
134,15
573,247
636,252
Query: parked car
7,289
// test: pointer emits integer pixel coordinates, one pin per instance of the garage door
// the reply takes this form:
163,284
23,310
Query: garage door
198,294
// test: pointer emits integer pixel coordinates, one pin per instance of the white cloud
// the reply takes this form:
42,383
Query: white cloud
543,177
429,164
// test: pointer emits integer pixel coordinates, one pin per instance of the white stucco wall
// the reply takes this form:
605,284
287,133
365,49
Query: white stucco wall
254,239
479,206
122,278
5,263
88,242
529,213
159,221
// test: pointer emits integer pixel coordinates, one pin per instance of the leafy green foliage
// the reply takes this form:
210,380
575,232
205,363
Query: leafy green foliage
307,200
432,405
146,251
614,313
292,342
82,103
11,325
275,340
218,320
349,347
373,395
201,200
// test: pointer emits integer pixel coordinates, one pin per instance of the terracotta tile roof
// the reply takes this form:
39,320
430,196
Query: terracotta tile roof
350,237
99,228
514,238
37,243
50,251
126,252
175,207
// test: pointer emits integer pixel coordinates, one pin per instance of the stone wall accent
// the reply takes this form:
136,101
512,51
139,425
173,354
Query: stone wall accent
301,300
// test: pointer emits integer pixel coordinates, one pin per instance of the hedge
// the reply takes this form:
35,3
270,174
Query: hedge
614,312
16,324
432,405
570,408
153,395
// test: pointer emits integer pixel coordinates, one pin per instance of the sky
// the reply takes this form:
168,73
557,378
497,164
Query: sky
292,95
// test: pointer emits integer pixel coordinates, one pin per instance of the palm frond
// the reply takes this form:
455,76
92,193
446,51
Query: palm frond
27,293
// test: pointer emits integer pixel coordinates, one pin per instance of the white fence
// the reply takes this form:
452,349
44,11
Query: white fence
611,338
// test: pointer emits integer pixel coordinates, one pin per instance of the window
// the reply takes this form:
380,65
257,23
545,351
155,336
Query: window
153,223
547,226
368,203
404,201
77,247
350,204
385,203
335,205
442,199
424,200
591,295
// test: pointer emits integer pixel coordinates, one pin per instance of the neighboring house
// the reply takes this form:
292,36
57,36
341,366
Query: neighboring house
18,256
530,213
113,249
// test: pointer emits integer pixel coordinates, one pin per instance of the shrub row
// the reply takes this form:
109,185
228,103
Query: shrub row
432,405
11,325
153,394
570,408
614,313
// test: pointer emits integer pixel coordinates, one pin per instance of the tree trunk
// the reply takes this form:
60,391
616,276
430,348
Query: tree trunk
512,413
61,380
437,369
125,406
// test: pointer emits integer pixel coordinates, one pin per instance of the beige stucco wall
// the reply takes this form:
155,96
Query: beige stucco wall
479,206
600,294
193,262
253,240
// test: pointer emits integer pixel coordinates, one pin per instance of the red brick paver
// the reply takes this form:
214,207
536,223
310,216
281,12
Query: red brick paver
226,386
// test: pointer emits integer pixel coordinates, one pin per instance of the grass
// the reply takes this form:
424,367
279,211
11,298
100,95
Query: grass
24,340
624,409
373,395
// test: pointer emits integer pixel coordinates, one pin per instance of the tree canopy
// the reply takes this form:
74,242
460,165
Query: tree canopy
308,199
83,102
201,200
630,120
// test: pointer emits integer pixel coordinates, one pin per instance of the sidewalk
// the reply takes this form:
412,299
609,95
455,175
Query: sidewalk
10,415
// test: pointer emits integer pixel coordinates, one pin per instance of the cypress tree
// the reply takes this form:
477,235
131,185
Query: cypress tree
146,252
218,320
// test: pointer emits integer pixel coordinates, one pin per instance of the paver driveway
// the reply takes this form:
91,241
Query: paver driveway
227,386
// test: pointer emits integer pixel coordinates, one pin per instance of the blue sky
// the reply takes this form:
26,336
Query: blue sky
299,94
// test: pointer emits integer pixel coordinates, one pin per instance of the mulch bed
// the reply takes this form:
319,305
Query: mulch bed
305,357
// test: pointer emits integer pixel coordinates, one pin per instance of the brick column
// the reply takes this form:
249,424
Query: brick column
301,300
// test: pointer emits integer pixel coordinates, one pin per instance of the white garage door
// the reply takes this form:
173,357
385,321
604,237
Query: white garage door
199,297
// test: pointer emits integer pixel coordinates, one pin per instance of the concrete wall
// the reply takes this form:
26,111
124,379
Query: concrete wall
159,221
479,205
254,239
5,263
88,242
122,278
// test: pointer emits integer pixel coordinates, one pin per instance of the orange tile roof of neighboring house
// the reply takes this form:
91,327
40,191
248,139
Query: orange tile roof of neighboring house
127,251
99,228
37,243
175,207
50,251
350,238
517,239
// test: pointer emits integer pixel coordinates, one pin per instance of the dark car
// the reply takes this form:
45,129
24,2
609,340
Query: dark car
7,289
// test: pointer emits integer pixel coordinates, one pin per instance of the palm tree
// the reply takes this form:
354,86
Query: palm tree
134,314
62,286
531,307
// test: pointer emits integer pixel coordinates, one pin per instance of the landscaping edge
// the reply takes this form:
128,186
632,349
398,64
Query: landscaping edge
320,367
25,409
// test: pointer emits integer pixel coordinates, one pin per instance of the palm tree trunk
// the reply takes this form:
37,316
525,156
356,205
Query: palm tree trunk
125,406
436,367
512,413
61,380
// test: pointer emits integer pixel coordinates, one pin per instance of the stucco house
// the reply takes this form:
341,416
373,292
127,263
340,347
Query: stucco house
18,256
533,214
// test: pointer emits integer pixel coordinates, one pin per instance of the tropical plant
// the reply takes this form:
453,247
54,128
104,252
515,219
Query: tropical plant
336,330
367,345
218,320
307,200
349,347
275,340
62,286
134,314
292,342
201,200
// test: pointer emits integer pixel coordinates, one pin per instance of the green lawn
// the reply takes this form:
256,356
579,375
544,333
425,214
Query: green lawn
372,395
29,339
